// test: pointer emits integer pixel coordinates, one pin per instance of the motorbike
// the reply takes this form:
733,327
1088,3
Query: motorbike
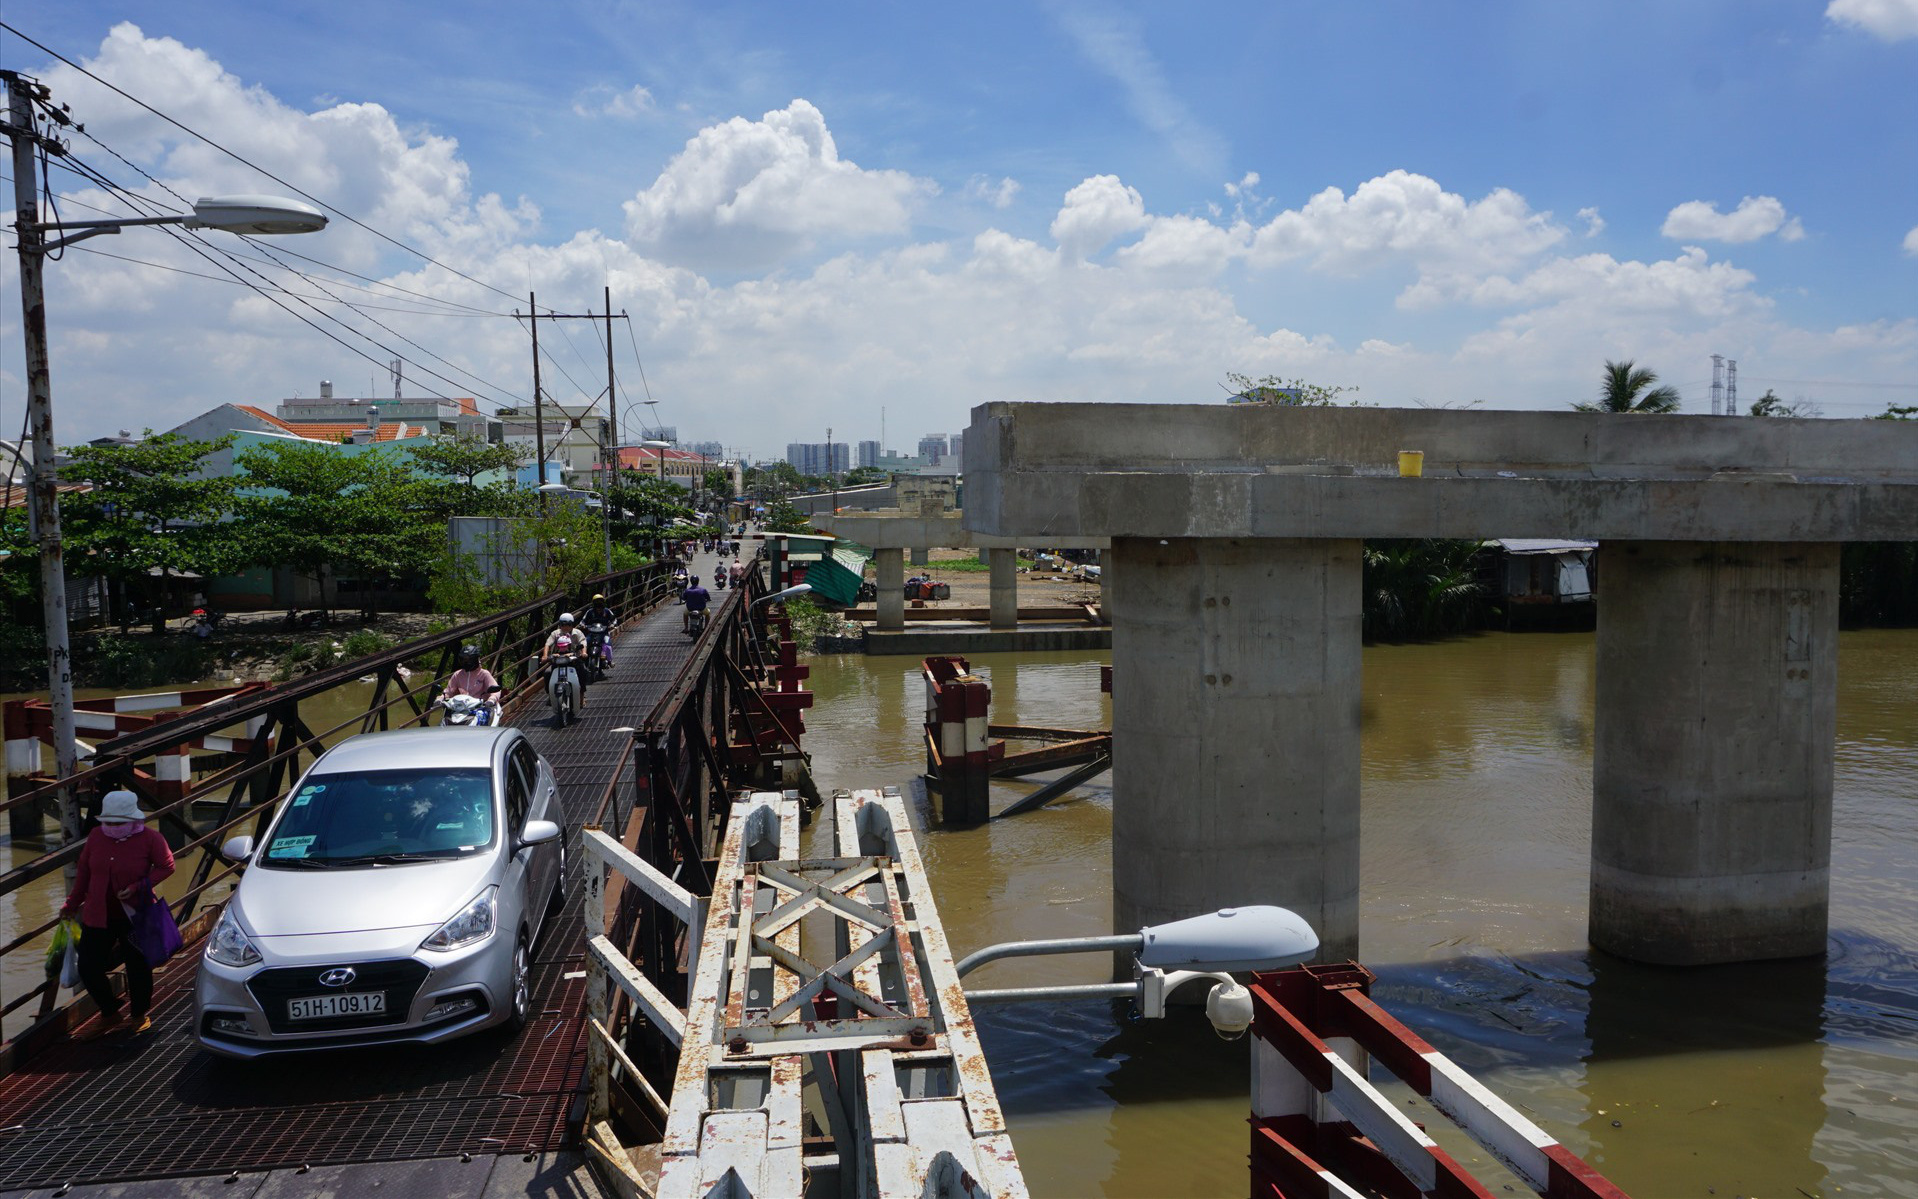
467,711
696,624
719,580
598,651
562,682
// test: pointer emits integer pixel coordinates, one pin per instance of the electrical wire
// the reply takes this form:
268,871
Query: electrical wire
237,157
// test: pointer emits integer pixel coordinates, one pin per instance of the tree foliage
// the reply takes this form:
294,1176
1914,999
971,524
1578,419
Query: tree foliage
464,458
148,508
1627,387
782,517
1771,404
1415,589
1294,393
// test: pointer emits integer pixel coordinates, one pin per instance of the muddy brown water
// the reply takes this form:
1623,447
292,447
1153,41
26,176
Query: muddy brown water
1764,1080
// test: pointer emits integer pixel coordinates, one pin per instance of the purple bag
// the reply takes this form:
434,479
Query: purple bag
155,933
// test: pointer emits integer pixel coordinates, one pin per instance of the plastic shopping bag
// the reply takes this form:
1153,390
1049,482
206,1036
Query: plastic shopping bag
63,954
154,932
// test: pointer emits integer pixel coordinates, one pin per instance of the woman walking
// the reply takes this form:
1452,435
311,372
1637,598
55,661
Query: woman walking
120,863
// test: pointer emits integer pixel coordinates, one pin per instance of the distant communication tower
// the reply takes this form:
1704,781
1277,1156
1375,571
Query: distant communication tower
394,366
1731,388
1718,384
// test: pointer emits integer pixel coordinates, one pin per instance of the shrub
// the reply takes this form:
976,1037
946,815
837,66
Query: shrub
362,643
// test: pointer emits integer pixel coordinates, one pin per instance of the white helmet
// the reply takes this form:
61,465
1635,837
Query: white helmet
567,618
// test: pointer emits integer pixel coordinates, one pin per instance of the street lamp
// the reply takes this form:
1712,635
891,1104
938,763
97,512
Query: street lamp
233,214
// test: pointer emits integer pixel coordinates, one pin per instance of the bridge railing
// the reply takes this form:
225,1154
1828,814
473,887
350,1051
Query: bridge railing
731,722
280,725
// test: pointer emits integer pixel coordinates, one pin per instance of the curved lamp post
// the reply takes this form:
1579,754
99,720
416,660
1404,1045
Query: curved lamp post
245,214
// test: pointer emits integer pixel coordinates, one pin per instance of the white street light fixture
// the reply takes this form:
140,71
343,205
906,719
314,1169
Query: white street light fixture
232,214
797,589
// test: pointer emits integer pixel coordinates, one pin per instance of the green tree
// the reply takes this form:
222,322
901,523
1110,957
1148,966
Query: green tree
1770,404
1898,412
860,475
717,481
643,503
782,517
148,509
324,511
1626,387
1415,589
1271,389
465,457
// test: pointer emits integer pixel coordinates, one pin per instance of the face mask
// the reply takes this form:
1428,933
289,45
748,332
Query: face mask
120,832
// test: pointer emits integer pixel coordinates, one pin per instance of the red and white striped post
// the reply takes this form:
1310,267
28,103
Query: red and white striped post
958,704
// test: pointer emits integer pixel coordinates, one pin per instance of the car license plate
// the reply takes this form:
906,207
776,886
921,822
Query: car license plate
351,1003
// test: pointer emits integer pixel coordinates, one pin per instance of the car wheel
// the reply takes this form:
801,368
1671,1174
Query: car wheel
522,998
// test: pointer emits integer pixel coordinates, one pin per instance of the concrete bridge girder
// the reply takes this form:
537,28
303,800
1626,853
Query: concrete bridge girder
1716,649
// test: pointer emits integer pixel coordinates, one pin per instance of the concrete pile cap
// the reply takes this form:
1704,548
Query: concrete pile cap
1152,470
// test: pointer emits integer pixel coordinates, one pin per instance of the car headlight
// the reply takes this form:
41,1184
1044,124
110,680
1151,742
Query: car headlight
229,945
474,923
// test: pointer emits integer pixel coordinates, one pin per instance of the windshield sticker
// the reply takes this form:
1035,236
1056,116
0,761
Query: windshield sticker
307,793
289,847
446,824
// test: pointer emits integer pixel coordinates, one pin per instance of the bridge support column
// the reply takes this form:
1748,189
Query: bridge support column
1003,590
1235,730
921,557
1712,771
891,584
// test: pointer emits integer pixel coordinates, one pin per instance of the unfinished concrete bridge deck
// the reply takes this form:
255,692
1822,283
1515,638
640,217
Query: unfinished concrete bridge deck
1233,589
486,1115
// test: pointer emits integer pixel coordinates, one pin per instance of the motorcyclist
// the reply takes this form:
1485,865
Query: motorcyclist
576,646
599,612
738,572
695,598
475,680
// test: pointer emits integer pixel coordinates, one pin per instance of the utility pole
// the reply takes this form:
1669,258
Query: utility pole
45,508
612,437
832,475
539,423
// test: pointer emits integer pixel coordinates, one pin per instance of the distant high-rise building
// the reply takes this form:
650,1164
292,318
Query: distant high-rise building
813,458
932,447
712,449
956,450
868,453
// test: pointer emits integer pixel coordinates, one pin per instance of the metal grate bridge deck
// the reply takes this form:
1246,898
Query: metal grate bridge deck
158,1106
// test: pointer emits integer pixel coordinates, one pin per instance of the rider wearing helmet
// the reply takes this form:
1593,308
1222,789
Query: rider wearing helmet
576,643
600,613
473,679
695,598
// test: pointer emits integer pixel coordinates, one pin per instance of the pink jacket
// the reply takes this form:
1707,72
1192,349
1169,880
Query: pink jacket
108,867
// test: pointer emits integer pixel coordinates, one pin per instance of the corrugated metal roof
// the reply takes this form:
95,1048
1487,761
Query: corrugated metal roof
1541,545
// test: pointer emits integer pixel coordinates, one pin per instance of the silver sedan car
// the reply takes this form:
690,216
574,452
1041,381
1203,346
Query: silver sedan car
396,896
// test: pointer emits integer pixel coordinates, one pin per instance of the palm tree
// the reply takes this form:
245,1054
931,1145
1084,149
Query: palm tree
1621,392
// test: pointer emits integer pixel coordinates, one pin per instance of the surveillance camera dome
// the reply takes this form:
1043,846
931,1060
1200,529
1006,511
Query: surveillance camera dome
1229,1007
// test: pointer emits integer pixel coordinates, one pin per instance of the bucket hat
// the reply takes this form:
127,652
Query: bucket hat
120,807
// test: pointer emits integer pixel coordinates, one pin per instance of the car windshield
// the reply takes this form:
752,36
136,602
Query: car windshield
383,817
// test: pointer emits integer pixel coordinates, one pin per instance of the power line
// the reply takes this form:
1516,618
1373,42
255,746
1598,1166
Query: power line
237,157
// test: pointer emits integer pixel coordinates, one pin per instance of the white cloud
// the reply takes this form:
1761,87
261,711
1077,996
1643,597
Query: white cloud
1911,241
1096,211
1118,302
747,194
982,189
1891,20
1594,223
1403,215
602,100
1755,217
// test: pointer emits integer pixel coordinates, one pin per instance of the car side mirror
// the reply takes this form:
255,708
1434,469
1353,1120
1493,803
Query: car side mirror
237,849
538,832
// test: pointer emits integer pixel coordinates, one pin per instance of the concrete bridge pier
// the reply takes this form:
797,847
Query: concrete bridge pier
890,568
1712,770
1235,721
1003,588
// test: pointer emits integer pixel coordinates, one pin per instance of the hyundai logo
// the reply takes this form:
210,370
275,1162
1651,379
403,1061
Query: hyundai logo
339,976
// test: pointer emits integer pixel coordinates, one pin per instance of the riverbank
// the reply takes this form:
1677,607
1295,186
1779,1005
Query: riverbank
248,647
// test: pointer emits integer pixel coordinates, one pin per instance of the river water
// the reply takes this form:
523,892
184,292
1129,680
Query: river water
1758,1081
1765,1080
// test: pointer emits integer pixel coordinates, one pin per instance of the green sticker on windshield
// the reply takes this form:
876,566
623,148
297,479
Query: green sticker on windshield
306,794
442,827
289,847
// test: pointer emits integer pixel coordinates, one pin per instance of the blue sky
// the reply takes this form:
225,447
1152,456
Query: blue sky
814,211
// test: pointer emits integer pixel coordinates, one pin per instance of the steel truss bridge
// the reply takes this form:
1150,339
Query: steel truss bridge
664,740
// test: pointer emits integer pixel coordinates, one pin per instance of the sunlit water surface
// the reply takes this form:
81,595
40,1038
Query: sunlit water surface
1763,1080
